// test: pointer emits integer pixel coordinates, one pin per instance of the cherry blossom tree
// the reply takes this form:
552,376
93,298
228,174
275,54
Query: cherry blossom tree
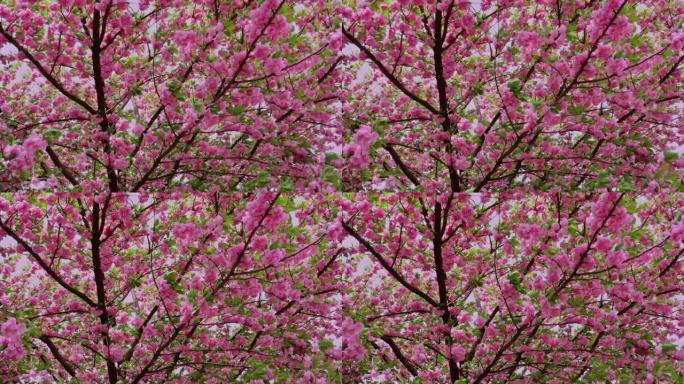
149,288
341,191
147,95
151,95
512,288
471,96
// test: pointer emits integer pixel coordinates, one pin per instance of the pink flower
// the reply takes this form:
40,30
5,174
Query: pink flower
615,259
337,41
21,157
459,162
259,243
185,233
679,355
274,66
359,150
351,345
616,66
457,353
10,338
116,353
677,232
335,231
603,244
10,329
678,41
529,232
273,256
529,41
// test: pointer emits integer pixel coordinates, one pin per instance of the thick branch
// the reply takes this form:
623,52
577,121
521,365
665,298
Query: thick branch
58,355
99,284
389,268
387,73
101,98
439,226
45,73
45,266
404,168
400,356
68,173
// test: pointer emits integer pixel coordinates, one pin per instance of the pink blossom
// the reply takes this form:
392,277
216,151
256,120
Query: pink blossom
359,149
21,156
529,41
116,353
615,259
10,338
350,332
457,353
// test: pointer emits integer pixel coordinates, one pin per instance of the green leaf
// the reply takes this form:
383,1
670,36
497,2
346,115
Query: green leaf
366,175
286,185
599,372
515,280
136,90
34,332
172,279
515,86
576,109
51,135
330,156
174,86
602,180
671,156
635,41
330,174
235,109
260,181
325,344
576,302
134,282
627,185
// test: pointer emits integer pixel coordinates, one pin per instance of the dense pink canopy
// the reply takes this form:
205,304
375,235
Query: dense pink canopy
341,191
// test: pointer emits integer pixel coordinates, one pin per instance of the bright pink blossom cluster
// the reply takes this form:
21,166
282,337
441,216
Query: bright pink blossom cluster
10,339
359,149
309,191
21,156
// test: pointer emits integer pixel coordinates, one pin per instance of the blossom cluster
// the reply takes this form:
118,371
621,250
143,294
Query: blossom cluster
333,191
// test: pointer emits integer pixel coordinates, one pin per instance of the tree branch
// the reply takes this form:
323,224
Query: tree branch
45,73
400,356
44,265
387,73
389,268
58,356
404,168
68,173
